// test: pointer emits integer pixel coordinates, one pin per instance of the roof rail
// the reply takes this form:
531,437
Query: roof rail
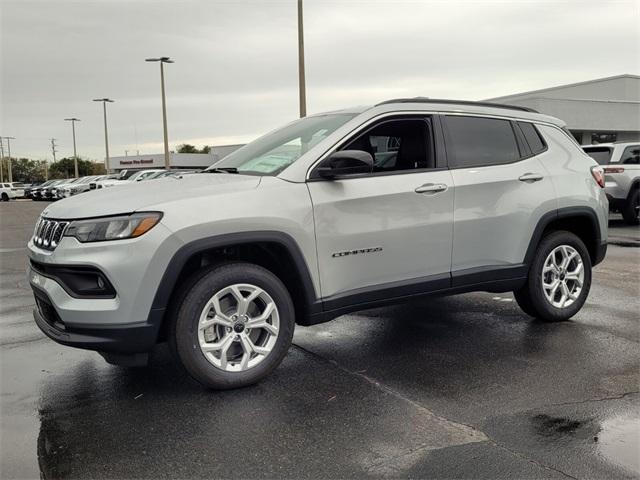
457,102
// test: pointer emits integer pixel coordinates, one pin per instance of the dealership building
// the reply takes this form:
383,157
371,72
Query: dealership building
596,111
176,160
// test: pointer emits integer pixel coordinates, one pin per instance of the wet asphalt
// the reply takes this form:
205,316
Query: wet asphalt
457,387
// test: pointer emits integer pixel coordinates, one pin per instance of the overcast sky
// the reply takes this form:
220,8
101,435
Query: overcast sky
235,75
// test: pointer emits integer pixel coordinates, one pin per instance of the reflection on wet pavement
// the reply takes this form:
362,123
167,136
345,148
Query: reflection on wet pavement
619,441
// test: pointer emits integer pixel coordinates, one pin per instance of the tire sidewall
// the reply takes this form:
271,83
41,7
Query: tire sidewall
185,331
539,299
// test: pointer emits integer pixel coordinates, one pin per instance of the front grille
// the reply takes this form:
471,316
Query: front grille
48,233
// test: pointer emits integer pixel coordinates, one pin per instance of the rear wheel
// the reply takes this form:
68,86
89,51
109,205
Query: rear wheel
559,278
5,197
234,325
631,210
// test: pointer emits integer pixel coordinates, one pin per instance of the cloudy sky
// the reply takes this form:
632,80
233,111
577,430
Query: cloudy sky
235,75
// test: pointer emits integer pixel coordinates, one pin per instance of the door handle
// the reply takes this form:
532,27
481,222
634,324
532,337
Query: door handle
431,188
530,177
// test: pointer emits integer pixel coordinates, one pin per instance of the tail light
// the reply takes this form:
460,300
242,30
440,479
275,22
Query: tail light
613,170
598,175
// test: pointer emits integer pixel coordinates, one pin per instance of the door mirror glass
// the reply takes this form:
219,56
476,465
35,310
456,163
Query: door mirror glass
346,162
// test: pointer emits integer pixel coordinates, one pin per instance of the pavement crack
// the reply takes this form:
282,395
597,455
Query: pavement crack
594,400
481,436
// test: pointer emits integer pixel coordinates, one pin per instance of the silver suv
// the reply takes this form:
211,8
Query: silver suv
622,176
333,213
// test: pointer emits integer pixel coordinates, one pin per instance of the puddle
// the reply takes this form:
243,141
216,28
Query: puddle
619,441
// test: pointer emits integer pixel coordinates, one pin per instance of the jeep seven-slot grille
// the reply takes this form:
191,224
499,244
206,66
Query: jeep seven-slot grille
48,233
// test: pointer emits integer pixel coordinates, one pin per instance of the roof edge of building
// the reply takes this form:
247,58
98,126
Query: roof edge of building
585,82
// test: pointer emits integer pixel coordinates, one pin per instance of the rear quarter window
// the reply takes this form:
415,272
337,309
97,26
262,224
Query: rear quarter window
631,155
533,137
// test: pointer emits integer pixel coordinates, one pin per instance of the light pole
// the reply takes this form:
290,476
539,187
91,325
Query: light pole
75,156
162,61
8,139
9,174
106,136
301,76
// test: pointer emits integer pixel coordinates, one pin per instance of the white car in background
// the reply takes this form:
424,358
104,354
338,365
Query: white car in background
80,186
125,178
7,192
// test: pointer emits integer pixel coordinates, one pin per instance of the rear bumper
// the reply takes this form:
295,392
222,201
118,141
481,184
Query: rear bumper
120,339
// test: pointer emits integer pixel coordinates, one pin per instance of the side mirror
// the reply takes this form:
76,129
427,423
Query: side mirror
344,163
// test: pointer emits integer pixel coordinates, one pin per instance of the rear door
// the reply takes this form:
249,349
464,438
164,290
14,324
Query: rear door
501,192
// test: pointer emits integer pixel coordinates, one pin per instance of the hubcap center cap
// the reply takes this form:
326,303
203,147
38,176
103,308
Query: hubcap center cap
238,327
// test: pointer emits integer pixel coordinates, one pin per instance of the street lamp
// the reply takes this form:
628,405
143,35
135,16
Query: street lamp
162,61
106,136
75,156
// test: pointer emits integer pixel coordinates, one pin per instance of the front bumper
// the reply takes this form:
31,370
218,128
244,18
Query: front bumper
122,339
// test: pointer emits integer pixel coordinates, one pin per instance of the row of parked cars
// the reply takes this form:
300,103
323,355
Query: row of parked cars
64,188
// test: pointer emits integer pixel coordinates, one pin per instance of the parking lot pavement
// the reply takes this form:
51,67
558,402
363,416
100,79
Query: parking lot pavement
456,387
621,234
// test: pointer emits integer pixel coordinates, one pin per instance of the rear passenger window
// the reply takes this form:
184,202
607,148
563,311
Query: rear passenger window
631,155
531,134
477,141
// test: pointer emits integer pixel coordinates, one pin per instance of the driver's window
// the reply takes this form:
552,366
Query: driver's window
403,144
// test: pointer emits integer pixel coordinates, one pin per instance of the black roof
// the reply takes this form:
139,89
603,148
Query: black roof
457,102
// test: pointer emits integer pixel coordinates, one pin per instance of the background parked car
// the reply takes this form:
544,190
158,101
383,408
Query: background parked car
6,192
29,189
48,192
621,163
79,186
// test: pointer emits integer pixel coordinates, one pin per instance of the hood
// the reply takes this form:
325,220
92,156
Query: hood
145,195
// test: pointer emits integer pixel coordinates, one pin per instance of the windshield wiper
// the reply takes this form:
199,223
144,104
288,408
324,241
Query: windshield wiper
222,170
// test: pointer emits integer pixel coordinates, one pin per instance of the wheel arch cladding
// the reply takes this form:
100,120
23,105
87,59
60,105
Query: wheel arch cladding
275,251
581,221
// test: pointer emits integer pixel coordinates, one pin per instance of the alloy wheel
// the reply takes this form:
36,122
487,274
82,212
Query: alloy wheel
238,327
562,276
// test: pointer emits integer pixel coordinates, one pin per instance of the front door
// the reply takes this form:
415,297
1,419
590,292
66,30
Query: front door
388,233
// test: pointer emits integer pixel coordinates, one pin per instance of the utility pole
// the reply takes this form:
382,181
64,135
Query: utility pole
301,75
126,153
75,155
10,174
1,160
106,136
162,61
46,164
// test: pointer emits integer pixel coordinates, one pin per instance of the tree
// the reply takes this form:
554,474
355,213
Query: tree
186,148
24,170
64,168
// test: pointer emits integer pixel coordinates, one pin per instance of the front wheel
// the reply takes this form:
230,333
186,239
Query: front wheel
631,210
5,197
559,278
234,325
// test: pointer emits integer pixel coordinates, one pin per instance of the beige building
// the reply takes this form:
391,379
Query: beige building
596,111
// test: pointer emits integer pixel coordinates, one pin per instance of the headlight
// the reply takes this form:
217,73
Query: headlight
113,228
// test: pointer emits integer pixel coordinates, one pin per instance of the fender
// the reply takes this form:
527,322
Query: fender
566,212
184,253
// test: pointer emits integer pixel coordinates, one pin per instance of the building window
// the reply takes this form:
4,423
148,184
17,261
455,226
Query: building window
603,137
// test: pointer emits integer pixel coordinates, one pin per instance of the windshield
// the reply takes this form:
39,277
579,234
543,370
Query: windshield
275,151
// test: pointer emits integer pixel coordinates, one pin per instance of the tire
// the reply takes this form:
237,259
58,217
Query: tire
631,209
537,301
238,369
5,197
